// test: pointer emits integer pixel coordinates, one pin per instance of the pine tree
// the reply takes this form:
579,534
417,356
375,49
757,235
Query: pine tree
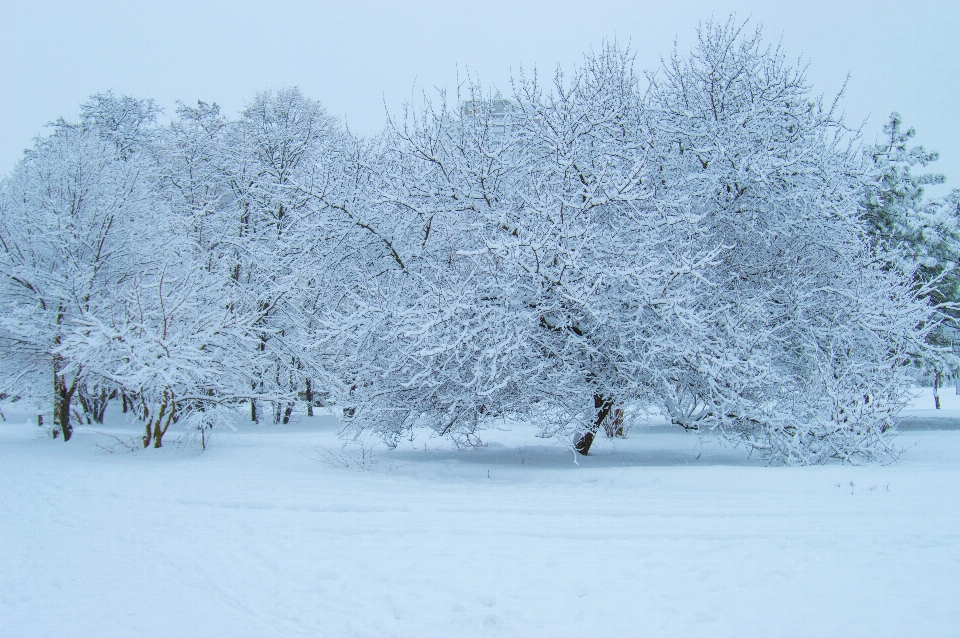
924,232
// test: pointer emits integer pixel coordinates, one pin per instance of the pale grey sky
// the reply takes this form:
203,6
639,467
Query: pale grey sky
361,57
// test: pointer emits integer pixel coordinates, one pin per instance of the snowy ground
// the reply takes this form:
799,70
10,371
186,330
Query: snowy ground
280,531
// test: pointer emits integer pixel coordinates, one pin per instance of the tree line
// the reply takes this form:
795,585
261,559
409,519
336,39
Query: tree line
709,241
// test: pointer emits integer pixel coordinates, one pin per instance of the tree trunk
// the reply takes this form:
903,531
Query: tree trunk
254,413
309,396
277,405
613,424
172,417
156,427
583,442
61,410
603,406
61,400
936,390
94,403
101,408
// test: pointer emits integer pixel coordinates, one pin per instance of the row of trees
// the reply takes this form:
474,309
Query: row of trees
714,246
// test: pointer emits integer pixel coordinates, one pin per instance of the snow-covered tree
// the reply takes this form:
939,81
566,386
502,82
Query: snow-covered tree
177,337
284,154
809,331
73,212
699,247
125,121
174,343
921,234
173,265
528,270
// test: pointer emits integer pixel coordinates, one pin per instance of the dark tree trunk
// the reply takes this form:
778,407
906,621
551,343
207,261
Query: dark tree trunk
94,403
584,441
61,400
61,410
936,389
85,400
153,427
157,427
158,435
309,397
158,431
287,412
254,412
603,406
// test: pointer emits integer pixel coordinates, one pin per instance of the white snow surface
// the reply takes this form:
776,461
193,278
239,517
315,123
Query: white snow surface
283,531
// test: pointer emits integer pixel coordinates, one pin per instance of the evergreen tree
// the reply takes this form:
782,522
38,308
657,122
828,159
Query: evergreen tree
924,232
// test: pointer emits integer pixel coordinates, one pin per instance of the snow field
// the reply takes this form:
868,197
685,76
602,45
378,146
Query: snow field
283,531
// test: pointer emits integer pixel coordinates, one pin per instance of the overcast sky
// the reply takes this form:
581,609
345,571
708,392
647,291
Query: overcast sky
362,58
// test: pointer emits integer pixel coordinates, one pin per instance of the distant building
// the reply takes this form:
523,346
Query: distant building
495,109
